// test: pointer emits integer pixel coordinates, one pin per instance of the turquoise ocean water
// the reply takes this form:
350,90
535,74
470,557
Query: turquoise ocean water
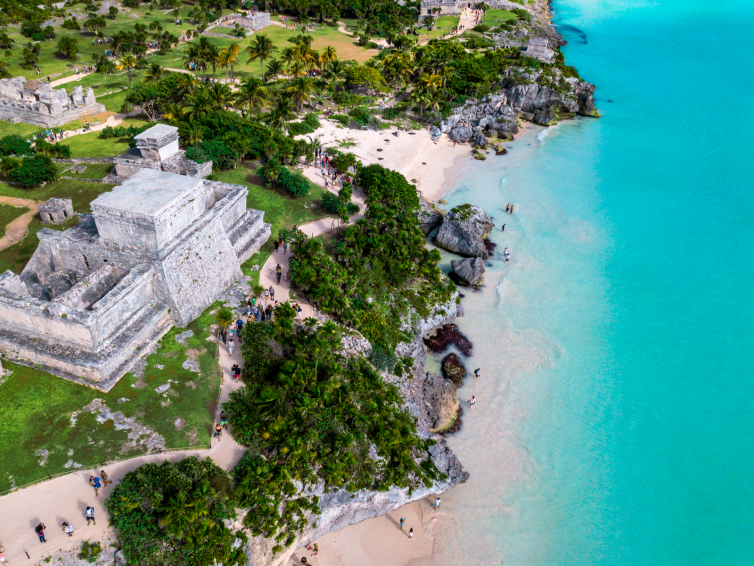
615,414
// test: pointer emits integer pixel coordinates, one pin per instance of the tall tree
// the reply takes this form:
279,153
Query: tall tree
128,62
261,48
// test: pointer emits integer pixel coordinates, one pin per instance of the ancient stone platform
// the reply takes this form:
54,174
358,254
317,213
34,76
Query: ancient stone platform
36,102
155,252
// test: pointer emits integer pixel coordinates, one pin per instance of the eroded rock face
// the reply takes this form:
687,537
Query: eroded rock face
461,133
463,231
478,139
430,217
453,369
442,396
469,271
441,338
546,117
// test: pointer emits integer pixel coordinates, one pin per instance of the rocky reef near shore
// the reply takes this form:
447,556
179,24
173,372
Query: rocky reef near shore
464,230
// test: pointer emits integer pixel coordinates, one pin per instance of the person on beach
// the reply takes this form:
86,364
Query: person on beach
218,432
67,528
2,555
476,373
39,530
403,522
95,483
437,502
508,207
89,514
411,533
472,401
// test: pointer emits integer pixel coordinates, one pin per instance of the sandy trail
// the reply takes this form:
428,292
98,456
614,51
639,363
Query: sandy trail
16,230
66,498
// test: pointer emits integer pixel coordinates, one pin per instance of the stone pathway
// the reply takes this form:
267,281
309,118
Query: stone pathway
16,230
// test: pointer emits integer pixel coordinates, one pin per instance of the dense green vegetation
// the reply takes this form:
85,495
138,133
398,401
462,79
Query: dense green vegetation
310,415
172,514
382,272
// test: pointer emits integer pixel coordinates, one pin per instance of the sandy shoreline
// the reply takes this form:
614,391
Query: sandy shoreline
414,154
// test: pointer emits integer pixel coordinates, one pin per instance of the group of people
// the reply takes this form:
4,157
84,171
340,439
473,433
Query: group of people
85,70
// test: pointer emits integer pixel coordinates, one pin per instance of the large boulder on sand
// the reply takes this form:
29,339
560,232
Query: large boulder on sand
463,231
469,271
478,139
461,133
430,217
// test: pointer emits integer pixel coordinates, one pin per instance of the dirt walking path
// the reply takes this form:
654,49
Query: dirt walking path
16,230
267,274
66,498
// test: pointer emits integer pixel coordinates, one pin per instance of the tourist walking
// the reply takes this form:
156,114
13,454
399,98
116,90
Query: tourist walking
472,401
503,228
403,522
67,528
224,419
278,273
272,293
104,476
3,561
411,533
285,248
231,345
218,432
40,532
476,373
90,515
437,502
95,483
276,246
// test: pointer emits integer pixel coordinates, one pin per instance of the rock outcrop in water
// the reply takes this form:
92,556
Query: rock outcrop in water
453,369
441,338
464,230
467,272
430,217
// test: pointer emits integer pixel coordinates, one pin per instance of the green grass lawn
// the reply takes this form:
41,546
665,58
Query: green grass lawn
8,214
93,170
81,193
443,26
494,18
37,407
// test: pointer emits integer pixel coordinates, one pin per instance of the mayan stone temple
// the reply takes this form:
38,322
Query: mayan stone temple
155,252
36,102
157,148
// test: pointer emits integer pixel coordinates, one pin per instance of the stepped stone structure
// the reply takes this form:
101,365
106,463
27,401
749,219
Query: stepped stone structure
157,148
155,252
56,210
538,48
36,102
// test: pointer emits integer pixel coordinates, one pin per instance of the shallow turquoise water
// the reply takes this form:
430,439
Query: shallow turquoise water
614,418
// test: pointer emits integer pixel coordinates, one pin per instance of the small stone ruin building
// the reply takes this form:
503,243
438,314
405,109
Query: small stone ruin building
157,148
36,102
155,252
455,7
56,210
538,48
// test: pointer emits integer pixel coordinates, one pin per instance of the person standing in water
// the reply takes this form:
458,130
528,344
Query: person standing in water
503,228
476,373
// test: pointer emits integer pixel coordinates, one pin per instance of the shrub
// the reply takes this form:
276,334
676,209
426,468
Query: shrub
90,551
392,113
331,203
218,152
69,47
34,171
309,124
343,161
481,28
296,183
345,97
55,150
72,24
15,145
361,75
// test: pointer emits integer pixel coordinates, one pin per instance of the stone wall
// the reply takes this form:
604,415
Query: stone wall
36,102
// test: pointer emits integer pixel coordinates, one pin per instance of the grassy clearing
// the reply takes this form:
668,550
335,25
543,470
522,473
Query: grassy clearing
36,410
443,26
81,193
93,171
8,214
281,210
496,17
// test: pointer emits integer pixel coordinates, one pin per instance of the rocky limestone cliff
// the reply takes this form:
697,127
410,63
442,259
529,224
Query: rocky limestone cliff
432,400
467,272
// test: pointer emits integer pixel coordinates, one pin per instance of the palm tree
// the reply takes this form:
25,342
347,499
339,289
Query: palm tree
233,51
329,54
297,69
219,94
334,71
193,55
210,54
154,73
252,94
128,62
300,90
186,84
421,97
173,112
199,105
222,60
274,68
282,114
261,48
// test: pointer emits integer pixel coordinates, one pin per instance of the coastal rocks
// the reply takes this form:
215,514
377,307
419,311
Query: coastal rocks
478,155
478,140
467,272
441,338
463,231
546,117
453,369
430,217
442,396
461,133
499,149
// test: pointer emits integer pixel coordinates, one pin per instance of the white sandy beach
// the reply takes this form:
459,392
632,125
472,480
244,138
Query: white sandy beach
414,154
